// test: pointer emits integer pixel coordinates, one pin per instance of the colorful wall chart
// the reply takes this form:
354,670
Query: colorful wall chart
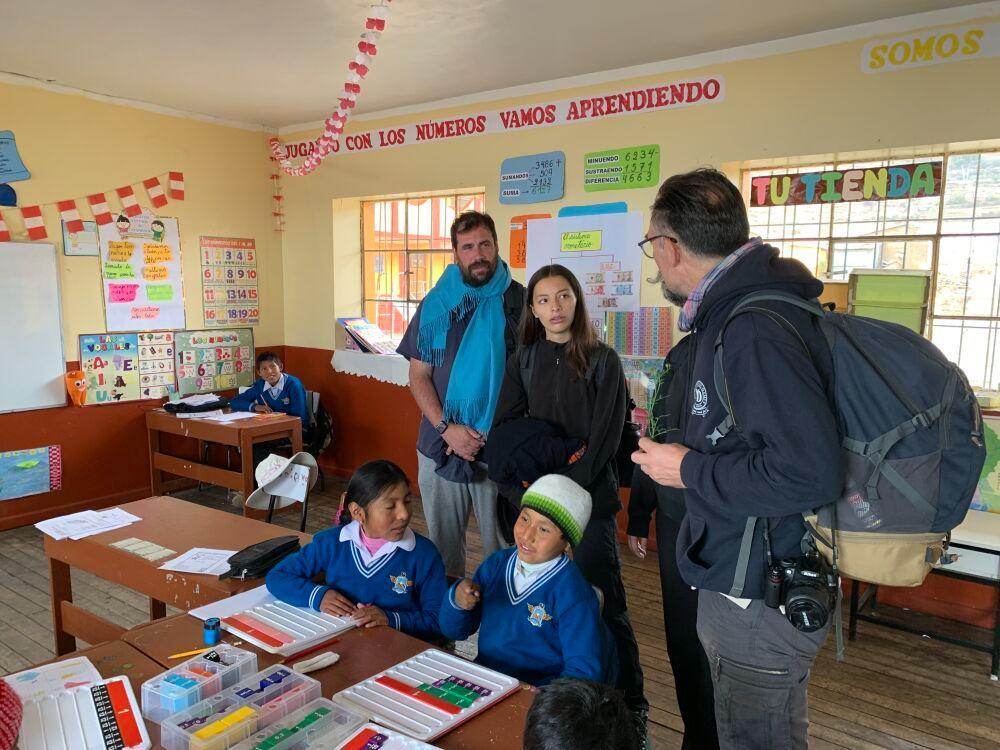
229,281
645,333
141,266
600,250
30,472
871,184
987,495
621,168
81,243
214,360
111,361
519,237
533,179
156,364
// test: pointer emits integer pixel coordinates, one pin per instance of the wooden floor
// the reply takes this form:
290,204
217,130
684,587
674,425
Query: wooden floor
894,690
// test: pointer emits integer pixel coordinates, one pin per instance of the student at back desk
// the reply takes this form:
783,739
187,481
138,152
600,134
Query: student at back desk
274,391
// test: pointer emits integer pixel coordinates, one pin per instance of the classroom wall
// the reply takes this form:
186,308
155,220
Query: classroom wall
75,146
812,102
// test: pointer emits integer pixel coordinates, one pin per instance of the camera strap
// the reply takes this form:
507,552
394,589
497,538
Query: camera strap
743,560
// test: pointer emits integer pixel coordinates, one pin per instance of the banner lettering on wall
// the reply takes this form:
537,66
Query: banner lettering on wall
918,180
921,48
685,93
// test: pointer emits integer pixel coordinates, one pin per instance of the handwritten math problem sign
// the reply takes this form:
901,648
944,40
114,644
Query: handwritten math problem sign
141,268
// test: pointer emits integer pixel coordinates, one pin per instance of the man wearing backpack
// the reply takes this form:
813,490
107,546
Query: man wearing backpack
457,345
780,460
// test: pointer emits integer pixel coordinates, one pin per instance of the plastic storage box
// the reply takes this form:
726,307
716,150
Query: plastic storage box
319,724
194,680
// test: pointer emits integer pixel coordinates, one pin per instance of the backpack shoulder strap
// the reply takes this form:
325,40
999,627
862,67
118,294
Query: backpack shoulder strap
748,305
526,360
598,364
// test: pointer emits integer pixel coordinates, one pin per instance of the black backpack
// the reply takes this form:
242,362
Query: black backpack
911,439
629,442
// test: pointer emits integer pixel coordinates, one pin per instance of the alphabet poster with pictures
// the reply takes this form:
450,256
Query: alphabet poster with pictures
141,268
214,360
229,281
127,366
599,249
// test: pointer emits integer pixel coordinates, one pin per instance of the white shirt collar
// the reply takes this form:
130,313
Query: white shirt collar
277,389
526,573
352,533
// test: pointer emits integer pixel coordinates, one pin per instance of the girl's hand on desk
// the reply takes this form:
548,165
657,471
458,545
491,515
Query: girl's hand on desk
370,616
336,604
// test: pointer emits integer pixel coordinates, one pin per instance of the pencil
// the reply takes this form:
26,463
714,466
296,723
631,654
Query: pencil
190,653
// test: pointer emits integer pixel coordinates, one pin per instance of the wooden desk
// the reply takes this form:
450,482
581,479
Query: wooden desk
363,652
242,434
169,522
117,658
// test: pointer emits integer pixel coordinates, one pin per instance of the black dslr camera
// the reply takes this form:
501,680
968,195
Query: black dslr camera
807,587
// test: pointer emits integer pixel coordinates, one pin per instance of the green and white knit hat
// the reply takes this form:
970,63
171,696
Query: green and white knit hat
562,500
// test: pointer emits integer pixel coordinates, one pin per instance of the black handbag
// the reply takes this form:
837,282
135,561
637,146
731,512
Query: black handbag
254,561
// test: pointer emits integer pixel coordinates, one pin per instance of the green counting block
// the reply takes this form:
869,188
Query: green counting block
278,737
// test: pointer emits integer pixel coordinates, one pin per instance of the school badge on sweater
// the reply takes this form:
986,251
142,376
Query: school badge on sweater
537,614
400,584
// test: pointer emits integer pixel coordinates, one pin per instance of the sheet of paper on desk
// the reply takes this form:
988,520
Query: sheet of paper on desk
49,678
201,560
232,416
214,414
86,523
144,549
198,399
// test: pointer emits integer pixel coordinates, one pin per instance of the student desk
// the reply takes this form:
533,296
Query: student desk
117,658
242,434
169,522
363,652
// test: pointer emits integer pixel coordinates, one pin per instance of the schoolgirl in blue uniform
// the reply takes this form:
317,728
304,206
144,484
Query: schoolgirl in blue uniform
374,567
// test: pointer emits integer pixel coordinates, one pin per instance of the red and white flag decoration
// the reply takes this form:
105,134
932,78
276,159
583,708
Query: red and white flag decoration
4,232
99,207
155,192
334,125
34,222
70,215
176,185
129,204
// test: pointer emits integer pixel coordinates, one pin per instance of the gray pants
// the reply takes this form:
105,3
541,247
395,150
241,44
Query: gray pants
446,508
760,669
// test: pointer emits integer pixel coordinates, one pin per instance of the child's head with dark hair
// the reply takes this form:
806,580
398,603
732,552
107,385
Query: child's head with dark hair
269,367
378,497
579,714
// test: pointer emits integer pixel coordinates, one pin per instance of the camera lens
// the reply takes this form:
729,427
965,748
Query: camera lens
807,608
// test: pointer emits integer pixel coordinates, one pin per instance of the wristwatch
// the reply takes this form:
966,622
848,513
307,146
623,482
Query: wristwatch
441,427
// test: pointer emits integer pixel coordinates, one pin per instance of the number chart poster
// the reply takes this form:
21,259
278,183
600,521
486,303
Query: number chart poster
229,281
30,472
214,360
141,266
599,249
621,168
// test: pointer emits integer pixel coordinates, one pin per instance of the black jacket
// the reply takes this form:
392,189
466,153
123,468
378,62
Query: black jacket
591,409
784,459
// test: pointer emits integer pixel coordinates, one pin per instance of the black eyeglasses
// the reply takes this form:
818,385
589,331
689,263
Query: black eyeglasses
644,244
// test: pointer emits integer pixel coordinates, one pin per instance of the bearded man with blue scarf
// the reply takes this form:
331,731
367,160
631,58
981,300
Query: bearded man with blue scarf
457,345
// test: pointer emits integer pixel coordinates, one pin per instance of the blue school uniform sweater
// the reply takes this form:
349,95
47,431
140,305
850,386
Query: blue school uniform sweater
553,628
408,586
291,399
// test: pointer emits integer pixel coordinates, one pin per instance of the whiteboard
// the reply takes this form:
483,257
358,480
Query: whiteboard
31,327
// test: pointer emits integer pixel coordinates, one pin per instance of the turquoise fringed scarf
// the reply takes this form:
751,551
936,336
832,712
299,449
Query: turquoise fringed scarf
477,372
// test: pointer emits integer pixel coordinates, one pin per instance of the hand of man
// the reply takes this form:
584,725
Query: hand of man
661,462
463,441
370,616
467,594
336,604
638,546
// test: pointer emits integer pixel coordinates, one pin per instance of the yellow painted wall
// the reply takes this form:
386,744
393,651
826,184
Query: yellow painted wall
75,146
809,102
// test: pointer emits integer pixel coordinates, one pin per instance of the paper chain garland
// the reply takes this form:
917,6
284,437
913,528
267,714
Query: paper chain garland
359,67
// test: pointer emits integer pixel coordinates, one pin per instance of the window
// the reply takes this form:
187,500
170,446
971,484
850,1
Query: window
956,236
406,245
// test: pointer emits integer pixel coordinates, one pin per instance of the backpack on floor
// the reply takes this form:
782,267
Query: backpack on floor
629,441
911,440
